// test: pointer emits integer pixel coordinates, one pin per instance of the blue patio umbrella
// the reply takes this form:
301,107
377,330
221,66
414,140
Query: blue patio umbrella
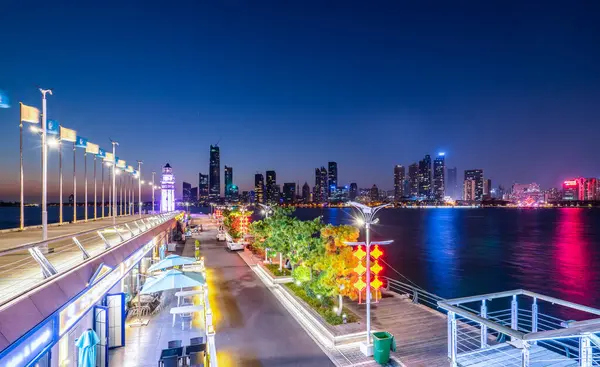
87,348
171,261
174,279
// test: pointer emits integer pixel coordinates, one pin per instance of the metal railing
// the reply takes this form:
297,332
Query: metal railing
520,335
26,266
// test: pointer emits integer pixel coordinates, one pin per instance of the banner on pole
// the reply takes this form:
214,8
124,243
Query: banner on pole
52,127
101,153
68,134
129,169
30,114
120,163
92,148
109,157
81,142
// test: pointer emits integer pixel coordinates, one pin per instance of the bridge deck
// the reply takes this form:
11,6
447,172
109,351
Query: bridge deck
420,332
20,272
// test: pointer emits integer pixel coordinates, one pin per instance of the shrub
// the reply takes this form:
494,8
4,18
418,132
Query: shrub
322,306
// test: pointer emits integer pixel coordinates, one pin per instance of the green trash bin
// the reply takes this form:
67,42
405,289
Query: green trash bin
383,342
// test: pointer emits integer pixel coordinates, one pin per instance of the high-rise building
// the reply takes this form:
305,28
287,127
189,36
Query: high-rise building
574,189
186,193
469,190
306,193
259,188
425,177
289,192
194,194
399,173
374,193
439,177
214,172
353,192
245,197
228,182
452,184
202,186
320,190
487,188
271,186
333,178
167,191
475,175
591,189
413,180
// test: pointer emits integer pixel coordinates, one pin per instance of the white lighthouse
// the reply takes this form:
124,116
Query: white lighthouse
167,197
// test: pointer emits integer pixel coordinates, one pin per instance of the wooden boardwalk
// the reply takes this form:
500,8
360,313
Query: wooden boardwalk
420,332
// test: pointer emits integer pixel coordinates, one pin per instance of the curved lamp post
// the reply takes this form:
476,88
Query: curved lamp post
367,219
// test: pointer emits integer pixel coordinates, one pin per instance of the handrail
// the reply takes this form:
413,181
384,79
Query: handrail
481,297
492,325
29,245
561,302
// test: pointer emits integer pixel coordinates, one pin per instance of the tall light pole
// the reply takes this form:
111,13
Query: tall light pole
95,190
153,188
74,185
44,166
85,184
368,218
140,187
102,174
114,183
60,183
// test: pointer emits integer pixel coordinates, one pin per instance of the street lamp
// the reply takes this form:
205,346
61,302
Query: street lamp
153,188
368,218
114,183
266,211
44,166
140,188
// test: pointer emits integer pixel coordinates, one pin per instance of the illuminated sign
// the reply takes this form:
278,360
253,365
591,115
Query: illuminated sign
570,183
94,293
30,347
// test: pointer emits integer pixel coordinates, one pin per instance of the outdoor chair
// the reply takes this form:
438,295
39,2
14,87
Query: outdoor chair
175,344
169,361
195,348
178,352
198,340
196,359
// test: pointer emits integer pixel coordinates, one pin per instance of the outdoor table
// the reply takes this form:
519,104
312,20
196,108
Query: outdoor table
186,293
185,309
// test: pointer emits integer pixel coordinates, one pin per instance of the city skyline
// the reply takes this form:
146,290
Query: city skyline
471,97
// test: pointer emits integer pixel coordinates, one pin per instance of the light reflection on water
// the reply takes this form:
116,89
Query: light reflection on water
459,252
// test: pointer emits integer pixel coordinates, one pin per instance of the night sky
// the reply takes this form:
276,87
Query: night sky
512,87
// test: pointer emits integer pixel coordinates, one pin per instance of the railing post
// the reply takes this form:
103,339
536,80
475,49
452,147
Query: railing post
514,314
585,352
119,233
48,269
484,331
415,296
138,226
534,317
106,243
452,338
85,253
525,354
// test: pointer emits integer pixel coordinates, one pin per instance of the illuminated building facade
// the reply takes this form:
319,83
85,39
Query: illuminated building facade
214,184
581,189
202,186
469,190
306,193
425,177
187,191
321,191
271,186
259,188
399,173
527,194
452,184
289,192
413,180
353,191
228,182
439,177
475,175
332,178
167,192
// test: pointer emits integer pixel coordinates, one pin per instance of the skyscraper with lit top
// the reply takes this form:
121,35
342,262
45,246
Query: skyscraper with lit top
167,183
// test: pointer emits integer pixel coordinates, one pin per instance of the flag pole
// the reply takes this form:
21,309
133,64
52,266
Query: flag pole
44,168
153,191
114,144
85,201
102,188
121,192
22,204
95,208
74,186
60,183
140,188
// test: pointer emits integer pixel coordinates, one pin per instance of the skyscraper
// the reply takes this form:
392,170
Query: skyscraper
187,191
439,179
272,191
194,194
353,192
259,188
306,193
333,178
289,192
413,180
452,184
167,189
215,173
202,186
374,193
320,191
475,175
425,177
228,182
487,189
399,173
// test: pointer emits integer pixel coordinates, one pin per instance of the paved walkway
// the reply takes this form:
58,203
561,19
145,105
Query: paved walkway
252,328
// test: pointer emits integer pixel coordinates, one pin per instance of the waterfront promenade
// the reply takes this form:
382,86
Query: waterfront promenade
252,327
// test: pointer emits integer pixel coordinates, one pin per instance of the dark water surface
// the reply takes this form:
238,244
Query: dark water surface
460,252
